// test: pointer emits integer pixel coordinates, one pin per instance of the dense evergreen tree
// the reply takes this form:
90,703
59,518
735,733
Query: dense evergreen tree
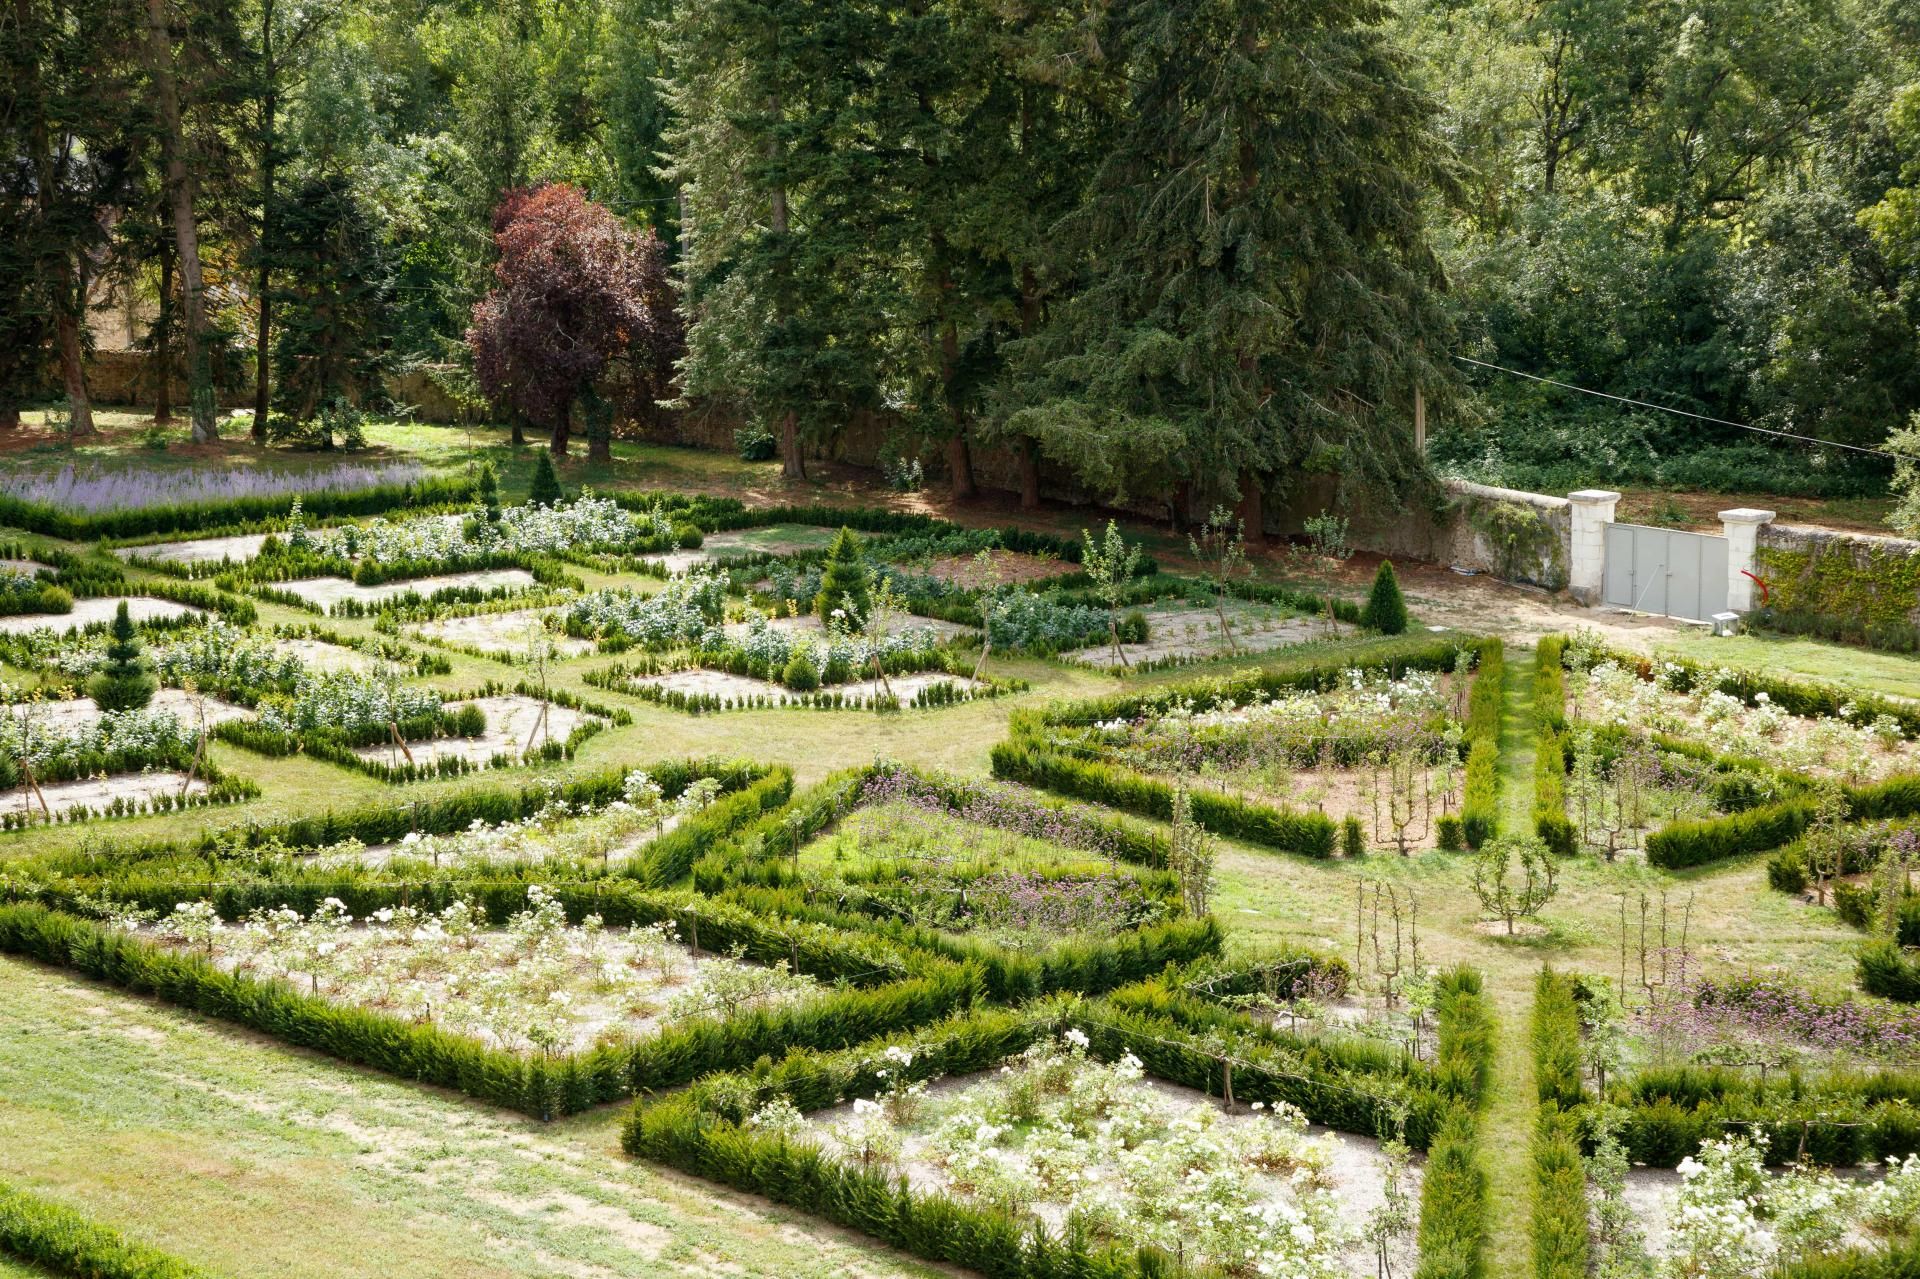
334,284
843,581
1261,291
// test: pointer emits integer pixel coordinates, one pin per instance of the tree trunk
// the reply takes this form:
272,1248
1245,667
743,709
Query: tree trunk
9,416
1029,475
163,343
180,191
562,432
66,332
1253,508
518,422
262,282
960,464
792,465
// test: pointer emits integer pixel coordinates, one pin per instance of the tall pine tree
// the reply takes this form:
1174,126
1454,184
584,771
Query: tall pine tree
1261,293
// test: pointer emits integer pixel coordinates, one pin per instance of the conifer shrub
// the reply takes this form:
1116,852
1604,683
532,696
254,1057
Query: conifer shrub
545,489
1386,610
843,580
126,682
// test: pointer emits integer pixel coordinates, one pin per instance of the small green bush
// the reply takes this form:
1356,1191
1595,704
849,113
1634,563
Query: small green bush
545,489
1890,972
1353,837
801,675
1449,833
843,580
1386,610
53,1236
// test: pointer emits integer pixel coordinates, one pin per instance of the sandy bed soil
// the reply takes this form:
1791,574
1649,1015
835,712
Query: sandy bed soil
82,713
28,567
328,591
1357,1165
1340,793
512,726
322,656
202,550
1195,632
537,847
741,542
142,608
498,632
740,687
98,792
1011,566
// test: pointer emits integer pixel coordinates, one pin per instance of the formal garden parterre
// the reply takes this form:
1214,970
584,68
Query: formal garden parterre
1006,1023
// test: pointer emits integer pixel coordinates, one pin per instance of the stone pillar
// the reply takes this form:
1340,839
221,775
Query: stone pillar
1592,512
1742,526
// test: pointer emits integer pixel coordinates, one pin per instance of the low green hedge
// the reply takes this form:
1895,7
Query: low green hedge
1562,1244
146,521
1682,844
1890,972
1310,834
1557,1071
543,1087
1550,821
703,1131
1899,1260
47,1234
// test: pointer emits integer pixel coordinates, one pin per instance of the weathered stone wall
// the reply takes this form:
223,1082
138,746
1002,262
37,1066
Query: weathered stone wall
1857,578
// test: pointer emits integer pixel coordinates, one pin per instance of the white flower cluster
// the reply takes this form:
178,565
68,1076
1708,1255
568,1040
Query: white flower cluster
539,984
587,524
352,702
776,646
1733,1221
1089,1143
1611,693
686,611
142,734
219,652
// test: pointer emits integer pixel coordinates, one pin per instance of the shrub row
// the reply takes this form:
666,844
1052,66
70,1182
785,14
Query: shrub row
1310,834
1562,1246
1480,792
1899,1260
1695,843
1550,821
46,1234
1795,696
704,1131
1556,1041
543,1087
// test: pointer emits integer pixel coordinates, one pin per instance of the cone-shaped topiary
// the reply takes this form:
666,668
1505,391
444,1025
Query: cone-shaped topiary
545,490
124,683
489,491
843,582
1386,611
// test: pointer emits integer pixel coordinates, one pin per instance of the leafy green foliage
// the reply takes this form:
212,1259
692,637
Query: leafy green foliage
845,581
544,489
45,1233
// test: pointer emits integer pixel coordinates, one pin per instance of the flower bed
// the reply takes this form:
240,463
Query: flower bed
98,612
339,596
1075,1143
1182,633
751,1130
1673,700
540,985
1217,737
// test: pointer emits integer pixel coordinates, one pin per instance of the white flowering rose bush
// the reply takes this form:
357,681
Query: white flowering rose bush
1078,1143
1611,693
351,704
118,741
1370,712
588,523
221,656
688,610
1733,1219
538,985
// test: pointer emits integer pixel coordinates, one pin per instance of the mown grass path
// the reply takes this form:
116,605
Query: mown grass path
1508,1125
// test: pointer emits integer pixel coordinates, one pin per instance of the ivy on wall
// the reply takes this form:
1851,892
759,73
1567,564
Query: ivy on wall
1864,595
1526,545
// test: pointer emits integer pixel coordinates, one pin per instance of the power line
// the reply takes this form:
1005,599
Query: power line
1701,417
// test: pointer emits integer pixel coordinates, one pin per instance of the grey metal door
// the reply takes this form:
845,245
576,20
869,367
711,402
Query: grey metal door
1665,570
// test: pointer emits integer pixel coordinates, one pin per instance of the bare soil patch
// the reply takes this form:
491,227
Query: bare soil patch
1195,632
810,624
325,592
89,612
322,656
1011,566
82,713
499,632
201,550
513,727
705,683
98,792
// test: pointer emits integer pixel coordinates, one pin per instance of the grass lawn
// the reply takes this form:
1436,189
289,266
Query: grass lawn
1896,674
252,1159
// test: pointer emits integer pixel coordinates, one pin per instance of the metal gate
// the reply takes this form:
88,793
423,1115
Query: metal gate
1664,570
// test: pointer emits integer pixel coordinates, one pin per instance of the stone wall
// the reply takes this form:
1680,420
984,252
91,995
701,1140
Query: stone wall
1858,578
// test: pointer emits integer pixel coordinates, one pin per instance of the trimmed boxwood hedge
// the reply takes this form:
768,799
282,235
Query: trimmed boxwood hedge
197,517
1757,830
543,1087
702,1131
1550,821
58,1239
1562,1246
1027,758
1900,1260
